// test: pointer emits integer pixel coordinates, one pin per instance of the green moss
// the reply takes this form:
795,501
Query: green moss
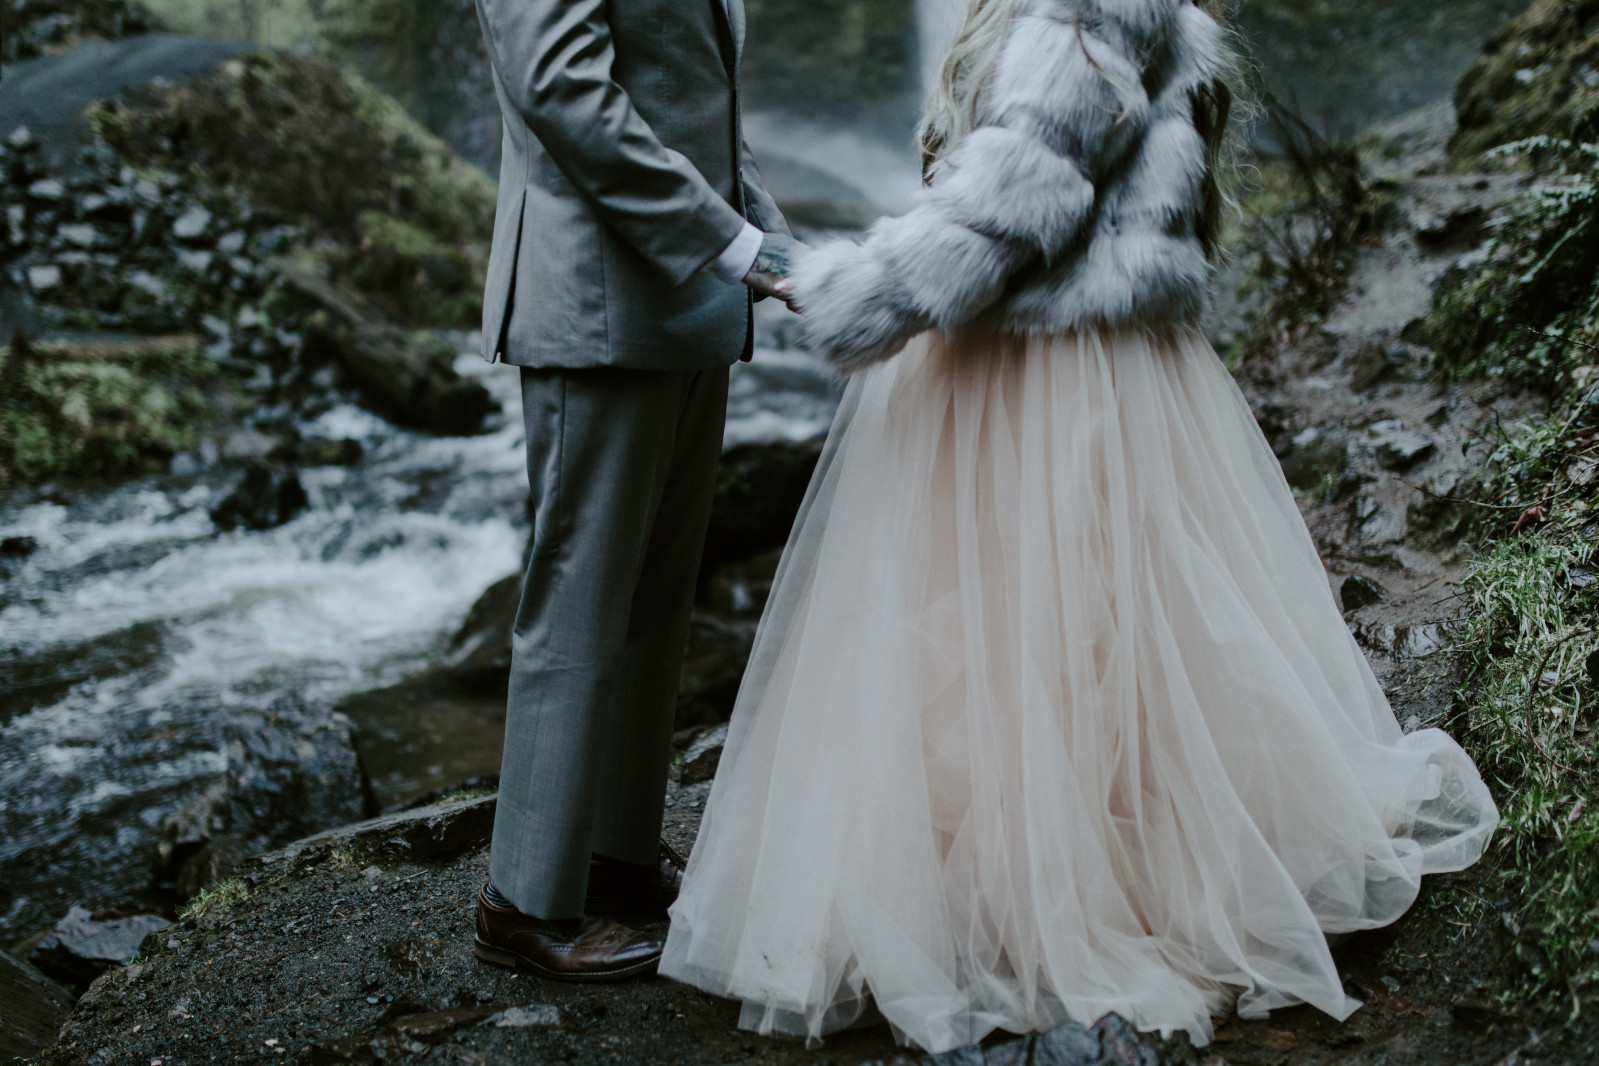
396,215
1539,75
101,411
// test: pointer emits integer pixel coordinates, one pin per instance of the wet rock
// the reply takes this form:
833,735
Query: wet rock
427,834
759,488
18,547
195,262
1398,448
1405,641
704,754
264,499
1111,1041
713,668
44,278
22,139
16,225
292,770
147,284
79,949
35,1007
1359,591
192,224
480,652
79,235
48,190
1376,362
1313,456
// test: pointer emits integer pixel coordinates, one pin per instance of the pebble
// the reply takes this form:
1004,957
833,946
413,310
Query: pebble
147,283
21,139
80,234
232,243
535,1016
44,278
195,262
48,189
192,224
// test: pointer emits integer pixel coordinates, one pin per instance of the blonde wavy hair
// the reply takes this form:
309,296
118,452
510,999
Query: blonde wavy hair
1221,108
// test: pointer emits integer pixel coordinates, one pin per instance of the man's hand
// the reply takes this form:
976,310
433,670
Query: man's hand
769,275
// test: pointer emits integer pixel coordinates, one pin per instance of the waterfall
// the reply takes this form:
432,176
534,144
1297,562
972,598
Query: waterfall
936,23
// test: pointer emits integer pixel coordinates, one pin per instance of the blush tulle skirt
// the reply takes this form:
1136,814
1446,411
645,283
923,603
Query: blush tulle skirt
1052,714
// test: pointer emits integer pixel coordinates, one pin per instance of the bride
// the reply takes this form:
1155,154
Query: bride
1051,713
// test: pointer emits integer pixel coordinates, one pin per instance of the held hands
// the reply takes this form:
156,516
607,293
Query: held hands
770,274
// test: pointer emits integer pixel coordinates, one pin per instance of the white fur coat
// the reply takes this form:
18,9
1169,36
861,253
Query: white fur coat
1074,204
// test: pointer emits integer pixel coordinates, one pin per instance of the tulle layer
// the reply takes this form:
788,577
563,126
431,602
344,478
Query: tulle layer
1052,714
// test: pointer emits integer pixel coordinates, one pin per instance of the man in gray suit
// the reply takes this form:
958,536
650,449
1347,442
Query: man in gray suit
632,233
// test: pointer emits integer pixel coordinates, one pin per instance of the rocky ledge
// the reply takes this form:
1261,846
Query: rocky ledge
355,947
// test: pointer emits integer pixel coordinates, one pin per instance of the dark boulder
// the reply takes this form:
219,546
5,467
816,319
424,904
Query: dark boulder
265,498
759,489
293,770
18,547
35,1007
406,378
1359,591
79,949
480,653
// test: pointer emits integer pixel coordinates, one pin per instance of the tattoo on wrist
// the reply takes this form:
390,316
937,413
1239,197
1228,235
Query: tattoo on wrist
776,255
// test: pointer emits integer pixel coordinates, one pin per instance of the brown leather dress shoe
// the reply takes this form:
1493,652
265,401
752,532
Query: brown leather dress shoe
577,949
644,889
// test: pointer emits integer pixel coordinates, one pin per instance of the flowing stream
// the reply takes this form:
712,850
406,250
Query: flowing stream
135,629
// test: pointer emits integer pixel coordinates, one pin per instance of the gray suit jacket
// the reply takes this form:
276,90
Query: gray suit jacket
624,173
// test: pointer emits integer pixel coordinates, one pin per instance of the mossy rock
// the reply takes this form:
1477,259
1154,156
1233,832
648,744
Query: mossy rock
1539,75
397,216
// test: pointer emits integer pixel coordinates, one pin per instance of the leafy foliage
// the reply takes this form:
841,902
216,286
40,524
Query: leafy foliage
1529,312
92,413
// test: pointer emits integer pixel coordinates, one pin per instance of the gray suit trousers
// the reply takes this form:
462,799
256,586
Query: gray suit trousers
622,465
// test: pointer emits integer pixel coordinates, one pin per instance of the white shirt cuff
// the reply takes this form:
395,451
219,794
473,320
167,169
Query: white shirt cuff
738,259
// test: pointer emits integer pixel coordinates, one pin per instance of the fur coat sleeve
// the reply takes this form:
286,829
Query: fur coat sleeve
1066,105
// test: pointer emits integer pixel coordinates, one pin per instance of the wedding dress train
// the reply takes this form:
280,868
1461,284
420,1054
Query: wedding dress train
1052,714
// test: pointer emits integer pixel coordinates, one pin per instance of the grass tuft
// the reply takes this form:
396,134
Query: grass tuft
215,901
